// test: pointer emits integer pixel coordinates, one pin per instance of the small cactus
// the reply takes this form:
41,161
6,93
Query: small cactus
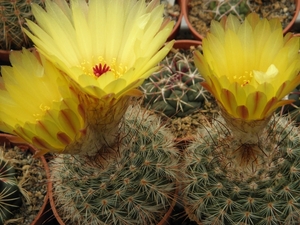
12,21
134,185
220,8
175,89
10,195
220,188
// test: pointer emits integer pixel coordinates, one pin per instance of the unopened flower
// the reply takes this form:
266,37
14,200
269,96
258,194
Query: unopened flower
37,103
106,47
249,67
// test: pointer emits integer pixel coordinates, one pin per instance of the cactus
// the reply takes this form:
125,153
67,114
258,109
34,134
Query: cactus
175,89
220,8
135,185
12,21
10,195
220,188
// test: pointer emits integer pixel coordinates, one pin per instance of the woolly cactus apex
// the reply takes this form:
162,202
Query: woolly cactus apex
218,189
221,8
12,21
10,195
175,89
134,183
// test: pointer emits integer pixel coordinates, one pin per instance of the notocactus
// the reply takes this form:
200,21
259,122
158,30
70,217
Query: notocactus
135,185
10,195
221,188
175,89
13,15
220,8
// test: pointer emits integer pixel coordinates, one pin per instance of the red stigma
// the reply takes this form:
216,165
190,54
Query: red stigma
99,69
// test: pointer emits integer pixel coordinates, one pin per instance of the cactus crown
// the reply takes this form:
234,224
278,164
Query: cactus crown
12,21
136,185
219,190
220,8
175,89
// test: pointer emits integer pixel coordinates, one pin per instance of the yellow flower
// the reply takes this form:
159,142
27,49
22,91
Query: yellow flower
106,47
37,104
249,67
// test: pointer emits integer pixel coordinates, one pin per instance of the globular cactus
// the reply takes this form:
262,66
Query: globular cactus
175,89
221,8
12,21
10,195
220,188
134,185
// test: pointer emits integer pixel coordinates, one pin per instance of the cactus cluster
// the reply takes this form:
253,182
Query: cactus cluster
220,8
10,195
133,184
12,21
220,188
175,89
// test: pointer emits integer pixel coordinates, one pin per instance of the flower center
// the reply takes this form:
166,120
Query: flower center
259,76
99,69
244,80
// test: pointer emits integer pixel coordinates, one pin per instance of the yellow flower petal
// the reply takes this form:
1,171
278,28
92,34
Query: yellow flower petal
228,101
256,103
37,103
262,77
249,67
125,36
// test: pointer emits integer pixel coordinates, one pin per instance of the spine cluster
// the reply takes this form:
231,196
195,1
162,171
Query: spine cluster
175,89
219,189
133,184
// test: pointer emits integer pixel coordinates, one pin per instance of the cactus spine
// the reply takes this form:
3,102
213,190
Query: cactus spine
12,21
220,8
175,89
10,195
134,185
220,188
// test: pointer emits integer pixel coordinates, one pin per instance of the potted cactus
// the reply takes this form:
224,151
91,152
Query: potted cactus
23,186
114,163
199,14
244,167
134,187
175,91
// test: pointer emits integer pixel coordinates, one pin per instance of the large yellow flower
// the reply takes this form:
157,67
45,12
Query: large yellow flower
249,67
37,103
106,47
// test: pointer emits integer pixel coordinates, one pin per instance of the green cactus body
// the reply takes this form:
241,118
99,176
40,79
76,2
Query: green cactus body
220,8
175,89
135,185
12,21
220,188
10,195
